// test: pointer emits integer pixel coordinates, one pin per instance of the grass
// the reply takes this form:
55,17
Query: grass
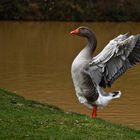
22,119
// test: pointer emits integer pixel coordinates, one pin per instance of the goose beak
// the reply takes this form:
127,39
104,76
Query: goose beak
75,32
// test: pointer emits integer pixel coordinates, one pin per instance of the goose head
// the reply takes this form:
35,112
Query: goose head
82,31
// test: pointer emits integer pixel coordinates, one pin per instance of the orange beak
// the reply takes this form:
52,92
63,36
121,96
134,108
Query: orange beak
75,32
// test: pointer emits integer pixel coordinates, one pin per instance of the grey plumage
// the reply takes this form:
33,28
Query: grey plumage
125,54
91,74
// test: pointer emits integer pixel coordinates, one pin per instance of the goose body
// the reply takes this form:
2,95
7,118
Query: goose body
91,75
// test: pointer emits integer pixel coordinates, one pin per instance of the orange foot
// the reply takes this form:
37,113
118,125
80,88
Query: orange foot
94,111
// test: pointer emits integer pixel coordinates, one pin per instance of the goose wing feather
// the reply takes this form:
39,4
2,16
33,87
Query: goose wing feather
116,58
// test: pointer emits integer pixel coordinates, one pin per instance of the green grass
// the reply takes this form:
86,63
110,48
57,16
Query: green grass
22,119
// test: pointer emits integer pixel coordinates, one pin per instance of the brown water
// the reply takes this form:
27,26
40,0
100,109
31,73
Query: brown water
35,61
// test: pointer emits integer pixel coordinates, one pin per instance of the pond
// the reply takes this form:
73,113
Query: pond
35,62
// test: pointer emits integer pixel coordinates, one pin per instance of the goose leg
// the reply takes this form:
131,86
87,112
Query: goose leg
94,111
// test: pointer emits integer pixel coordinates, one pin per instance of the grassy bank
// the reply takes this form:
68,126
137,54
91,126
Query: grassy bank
21,119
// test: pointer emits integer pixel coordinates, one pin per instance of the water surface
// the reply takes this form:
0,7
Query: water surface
35,62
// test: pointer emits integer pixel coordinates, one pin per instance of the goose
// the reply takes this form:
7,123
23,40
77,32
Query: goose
91,75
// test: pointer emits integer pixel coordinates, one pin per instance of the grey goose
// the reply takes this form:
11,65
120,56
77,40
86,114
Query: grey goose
91,75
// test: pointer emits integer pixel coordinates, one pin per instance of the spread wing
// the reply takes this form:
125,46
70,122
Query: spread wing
119,55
